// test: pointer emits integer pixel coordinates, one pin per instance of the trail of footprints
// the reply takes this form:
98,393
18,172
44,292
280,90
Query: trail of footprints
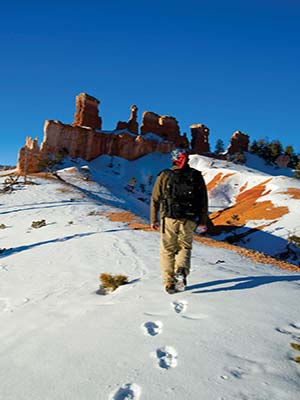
293,330
127,391
179,306
166,356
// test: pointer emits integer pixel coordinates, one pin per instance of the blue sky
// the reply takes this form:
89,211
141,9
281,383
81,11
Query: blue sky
232,65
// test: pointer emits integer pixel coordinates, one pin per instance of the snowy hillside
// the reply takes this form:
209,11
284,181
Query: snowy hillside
227,337
248,207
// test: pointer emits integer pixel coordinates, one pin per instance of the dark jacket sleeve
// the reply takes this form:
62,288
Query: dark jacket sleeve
203,202
156,198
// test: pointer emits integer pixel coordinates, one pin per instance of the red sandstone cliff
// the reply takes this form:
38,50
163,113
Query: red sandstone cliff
132,125
85,139
87,144
87,112
163,126
199,143
30,156
239,143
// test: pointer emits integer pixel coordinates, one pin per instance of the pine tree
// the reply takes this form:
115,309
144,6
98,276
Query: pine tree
294,160
289,150
219,146
297,170
254,147
239,158
51,162
275,150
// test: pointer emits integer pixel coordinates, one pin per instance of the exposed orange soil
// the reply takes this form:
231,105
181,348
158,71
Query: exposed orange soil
294,193
130,218
217,179
248,208
243,187
134,223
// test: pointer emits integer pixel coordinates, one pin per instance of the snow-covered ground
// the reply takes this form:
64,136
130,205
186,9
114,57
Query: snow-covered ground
115,173
226,337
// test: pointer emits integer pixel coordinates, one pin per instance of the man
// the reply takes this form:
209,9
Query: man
180,196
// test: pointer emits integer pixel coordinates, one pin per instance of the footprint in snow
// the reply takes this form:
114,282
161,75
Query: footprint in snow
152,328
167,357
292,329
129,391
179,306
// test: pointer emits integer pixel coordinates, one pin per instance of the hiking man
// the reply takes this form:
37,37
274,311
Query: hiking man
180,196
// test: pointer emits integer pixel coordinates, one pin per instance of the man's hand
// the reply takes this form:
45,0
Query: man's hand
201,229
155,226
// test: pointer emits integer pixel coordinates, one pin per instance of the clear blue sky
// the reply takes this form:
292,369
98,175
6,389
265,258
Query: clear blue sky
232,65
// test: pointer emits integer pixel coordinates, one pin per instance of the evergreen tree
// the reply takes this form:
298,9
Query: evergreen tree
294,161
264,150
52,161
275,150
289,150
254,147
262,147
219,146
297,170
239,158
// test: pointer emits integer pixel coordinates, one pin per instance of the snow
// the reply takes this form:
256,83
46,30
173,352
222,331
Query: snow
272,239
226,337
258,163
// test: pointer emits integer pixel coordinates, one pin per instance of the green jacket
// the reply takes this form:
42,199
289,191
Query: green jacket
159,191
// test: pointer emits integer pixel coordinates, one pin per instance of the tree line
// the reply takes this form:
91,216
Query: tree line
269,151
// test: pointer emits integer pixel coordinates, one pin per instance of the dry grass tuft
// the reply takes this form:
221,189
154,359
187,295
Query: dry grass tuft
38,224
111,282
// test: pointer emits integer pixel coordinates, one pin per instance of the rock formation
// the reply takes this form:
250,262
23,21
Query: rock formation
132,125
164,126
283,160
30,156
150,123
182,141
239,143
86,143
85,139
87,112
199,143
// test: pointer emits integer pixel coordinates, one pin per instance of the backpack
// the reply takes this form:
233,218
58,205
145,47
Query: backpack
182,196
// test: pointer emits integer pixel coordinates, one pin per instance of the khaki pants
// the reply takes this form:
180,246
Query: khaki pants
175,246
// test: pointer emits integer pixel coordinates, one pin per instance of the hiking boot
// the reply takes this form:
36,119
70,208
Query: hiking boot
180,279
170,288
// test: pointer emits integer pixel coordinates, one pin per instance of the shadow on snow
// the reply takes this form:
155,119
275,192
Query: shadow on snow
44,205
247,282
19,249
